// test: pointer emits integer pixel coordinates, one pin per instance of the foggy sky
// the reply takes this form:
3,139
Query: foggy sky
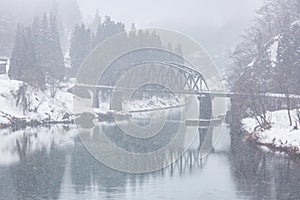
215,24
172,12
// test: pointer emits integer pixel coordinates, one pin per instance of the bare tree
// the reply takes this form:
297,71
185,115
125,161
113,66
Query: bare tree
22,98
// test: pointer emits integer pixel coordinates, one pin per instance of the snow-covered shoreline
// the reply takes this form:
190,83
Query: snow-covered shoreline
280,137
24,105
42,107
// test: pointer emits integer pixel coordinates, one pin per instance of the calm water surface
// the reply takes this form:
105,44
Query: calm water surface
52,163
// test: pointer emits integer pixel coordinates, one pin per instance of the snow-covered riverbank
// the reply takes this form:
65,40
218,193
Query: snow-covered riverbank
20,102
280,137
23,104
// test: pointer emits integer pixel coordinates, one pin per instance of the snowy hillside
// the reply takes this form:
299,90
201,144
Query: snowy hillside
271,49
40,105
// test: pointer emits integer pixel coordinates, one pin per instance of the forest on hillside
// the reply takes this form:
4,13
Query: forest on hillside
267,60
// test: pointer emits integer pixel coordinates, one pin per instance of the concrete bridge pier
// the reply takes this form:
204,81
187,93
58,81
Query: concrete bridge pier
205,106
116,101
96,98
205,133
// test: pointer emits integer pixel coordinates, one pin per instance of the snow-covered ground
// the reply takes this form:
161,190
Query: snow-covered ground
8,89
147,104
42,107
281,135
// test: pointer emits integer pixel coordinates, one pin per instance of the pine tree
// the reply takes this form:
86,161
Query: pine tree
24,62
57,68
99,35
155,39
107,29
96,22
43,43
49,52
80,46
84,40
17,54
37,56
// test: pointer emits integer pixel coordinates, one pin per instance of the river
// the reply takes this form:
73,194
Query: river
52,163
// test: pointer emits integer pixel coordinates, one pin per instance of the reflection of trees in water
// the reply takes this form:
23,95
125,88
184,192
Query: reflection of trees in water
7,190
22,145
142,145
249,169
87,171
39,174
260,175
287,179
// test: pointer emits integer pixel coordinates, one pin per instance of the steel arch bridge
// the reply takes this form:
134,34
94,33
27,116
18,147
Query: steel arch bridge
186,80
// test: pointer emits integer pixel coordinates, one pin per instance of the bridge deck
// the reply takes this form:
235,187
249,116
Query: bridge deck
212,93
203,122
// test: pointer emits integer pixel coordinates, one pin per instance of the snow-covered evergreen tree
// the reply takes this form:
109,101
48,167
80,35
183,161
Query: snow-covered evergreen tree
37,56
57,68
84,40
24,62
80,46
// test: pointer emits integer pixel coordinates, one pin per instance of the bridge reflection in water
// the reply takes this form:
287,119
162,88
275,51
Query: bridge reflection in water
48,162
52,163
183,146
